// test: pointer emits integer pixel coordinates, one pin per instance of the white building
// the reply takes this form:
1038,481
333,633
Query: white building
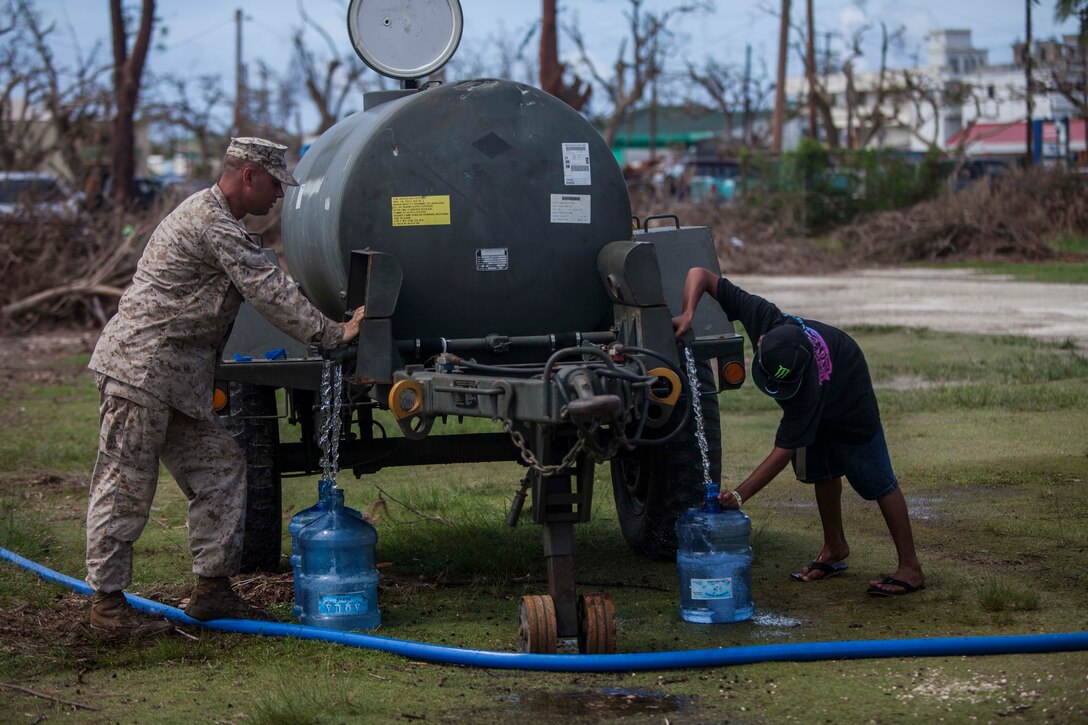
912,109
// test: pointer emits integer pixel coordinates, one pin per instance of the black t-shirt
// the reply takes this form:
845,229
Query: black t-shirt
837,401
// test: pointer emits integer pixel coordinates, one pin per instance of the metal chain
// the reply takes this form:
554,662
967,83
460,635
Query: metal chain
531,460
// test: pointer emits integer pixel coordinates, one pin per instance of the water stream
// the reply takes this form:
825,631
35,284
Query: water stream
697,409
332,388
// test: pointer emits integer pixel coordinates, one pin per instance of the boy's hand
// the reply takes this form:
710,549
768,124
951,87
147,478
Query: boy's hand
681,324
729,499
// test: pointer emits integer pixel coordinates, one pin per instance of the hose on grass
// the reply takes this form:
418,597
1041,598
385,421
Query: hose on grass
632,662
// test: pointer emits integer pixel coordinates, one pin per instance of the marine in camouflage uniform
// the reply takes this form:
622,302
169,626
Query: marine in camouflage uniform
155,366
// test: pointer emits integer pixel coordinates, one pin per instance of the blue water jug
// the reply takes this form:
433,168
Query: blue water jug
715,562
338,583
298,522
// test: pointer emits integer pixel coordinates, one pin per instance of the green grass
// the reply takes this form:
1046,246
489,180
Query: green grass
1052,272
989,446
1072,244
1064,271
995,595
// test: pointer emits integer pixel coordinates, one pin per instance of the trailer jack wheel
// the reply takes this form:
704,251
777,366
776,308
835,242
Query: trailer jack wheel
536,625
596,624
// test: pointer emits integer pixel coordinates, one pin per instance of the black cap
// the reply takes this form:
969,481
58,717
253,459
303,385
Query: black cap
783,357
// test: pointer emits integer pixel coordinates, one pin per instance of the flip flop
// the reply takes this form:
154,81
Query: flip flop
905,586
828,570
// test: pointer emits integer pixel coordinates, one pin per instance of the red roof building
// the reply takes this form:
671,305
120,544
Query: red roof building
1010,139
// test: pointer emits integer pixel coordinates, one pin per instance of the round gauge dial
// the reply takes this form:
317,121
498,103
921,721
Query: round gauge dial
405,39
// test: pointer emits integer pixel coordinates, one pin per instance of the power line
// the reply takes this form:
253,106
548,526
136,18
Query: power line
218,25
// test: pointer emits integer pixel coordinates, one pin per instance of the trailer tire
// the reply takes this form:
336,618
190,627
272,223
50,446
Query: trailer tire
255,427
654,485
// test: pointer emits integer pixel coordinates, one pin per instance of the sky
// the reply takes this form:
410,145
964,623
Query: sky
200,34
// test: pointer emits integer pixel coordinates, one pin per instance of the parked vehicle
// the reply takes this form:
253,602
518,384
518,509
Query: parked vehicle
149,190
714,179
32,193
972,170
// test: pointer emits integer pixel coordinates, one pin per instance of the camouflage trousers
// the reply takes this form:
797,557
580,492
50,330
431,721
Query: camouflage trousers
137,432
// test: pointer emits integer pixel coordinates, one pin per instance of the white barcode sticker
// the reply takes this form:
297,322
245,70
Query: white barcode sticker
576,164
570,209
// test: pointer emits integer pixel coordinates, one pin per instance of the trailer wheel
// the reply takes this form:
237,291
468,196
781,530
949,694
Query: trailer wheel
654,485
536,625
253,423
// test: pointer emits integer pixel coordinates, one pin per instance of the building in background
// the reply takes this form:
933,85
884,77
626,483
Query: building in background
942,103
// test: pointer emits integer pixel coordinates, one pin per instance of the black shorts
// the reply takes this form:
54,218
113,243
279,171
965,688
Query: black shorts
867,466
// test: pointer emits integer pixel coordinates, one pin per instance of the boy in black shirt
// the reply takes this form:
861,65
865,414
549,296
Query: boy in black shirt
830,424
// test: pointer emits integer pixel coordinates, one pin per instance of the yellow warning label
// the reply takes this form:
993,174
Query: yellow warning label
421,211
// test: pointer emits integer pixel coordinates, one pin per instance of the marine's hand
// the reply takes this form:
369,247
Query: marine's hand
351,327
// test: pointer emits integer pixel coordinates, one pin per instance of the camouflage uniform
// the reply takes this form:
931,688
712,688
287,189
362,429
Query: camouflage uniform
156,364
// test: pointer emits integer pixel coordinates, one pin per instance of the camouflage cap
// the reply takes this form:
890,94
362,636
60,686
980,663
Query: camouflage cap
267,154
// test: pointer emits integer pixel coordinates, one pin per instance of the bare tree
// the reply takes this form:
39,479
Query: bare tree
928,96
188,105
872,119
868,114
1069,77
329,80
128,67
504,54
726,88
22,145
723,85
651,41
48,113
575,93
271,104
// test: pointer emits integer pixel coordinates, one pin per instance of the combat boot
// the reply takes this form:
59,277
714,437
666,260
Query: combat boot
213,598
110,613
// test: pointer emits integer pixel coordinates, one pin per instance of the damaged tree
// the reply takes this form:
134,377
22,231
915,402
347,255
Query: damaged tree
651,40
128,68
52,115
575,93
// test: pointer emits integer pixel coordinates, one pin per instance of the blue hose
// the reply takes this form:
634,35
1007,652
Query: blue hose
639,661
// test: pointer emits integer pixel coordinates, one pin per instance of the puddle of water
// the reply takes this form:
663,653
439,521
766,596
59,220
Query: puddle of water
925,508
608,702
769,619
775,625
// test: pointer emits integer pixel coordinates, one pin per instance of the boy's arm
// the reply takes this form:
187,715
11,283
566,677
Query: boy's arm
699,281
765,472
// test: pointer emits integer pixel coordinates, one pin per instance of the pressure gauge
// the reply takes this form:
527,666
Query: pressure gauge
405,39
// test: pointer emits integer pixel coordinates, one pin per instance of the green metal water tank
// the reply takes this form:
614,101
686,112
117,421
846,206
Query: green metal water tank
493,196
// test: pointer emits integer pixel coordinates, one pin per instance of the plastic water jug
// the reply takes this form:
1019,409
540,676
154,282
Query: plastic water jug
338,583
715,562
300,521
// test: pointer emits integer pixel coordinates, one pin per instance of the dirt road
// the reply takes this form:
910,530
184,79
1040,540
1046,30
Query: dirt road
954,300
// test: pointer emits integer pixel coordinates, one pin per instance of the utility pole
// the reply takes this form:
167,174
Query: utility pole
747,95
827,56
239,76
810,71
653,107
1029,160
780,87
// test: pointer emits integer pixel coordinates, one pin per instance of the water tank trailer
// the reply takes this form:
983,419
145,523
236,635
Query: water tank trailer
487,228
